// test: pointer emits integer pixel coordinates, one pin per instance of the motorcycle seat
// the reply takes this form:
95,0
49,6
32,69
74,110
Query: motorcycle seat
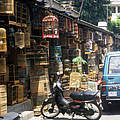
84,95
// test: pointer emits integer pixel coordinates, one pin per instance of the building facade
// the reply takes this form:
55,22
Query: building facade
115,5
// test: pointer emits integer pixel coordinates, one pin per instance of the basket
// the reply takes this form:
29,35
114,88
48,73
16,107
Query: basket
27,39
7,6
19,39
2,65
3,42
41,86
21,60
75,79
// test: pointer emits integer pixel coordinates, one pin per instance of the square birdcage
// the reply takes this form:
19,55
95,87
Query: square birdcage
7,6
3,42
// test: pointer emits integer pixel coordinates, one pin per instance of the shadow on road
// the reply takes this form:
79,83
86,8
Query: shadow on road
113,110
68,119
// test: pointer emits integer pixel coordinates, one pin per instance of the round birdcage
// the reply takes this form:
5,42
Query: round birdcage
50,27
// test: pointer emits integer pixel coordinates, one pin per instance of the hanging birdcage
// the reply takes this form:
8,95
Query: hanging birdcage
21,60
76,30
3,42
7,6
69,25
2,66
19,39
50,27
27,39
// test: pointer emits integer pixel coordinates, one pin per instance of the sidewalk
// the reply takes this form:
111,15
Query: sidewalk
29,115
60,117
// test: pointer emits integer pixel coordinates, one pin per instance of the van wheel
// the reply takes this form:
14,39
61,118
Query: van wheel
105,105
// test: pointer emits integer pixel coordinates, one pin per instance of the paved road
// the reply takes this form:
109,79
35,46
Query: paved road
112,114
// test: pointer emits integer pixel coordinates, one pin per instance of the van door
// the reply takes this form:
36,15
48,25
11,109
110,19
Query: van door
113,78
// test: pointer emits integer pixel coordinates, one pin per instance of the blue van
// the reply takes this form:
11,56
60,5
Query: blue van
110,88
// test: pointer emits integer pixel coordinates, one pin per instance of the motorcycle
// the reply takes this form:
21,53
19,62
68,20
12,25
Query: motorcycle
83,103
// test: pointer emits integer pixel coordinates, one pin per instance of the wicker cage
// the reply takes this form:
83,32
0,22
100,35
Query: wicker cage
27,39
75,80
3,42
76,30
2,65
21,60
19,39
7,6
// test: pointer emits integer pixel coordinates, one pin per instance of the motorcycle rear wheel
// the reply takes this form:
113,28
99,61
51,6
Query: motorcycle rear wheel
94,111
50,110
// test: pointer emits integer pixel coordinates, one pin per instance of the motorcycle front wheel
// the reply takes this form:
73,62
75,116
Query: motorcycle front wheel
93,111
50,110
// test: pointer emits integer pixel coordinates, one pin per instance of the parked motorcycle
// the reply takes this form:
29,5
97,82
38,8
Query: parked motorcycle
84,104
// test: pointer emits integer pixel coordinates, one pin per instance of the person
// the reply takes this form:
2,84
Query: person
104,51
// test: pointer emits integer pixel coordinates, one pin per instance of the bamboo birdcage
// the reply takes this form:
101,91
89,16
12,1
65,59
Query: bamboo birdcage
7,6
20,39
2,65
75,80
76,30
69,25
27,39
21,60
3,42
50,27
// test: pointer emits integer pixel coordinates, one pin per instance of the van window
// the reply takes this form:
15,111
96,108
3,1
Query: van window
114,65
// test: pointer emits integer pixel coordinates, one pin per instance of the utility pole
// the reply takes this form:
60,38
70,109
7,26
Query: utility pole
81,9
106,5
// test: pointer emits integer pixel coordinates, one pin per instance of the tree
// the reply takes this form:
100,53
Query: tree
94,11
114,26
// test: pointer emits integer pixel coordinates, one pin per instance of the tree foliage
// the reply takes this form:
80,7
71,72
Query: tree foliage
79,60
114,26
94,11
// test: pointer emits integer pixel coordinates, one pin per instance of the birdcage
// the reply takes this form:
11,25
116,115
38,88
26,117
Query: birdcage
76,30
3,42
19,39
21,60
50,27
27,39
7,6
2,66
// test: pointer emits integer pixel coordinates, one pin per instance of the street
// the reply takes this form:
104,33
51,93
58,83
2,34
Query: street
113,114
